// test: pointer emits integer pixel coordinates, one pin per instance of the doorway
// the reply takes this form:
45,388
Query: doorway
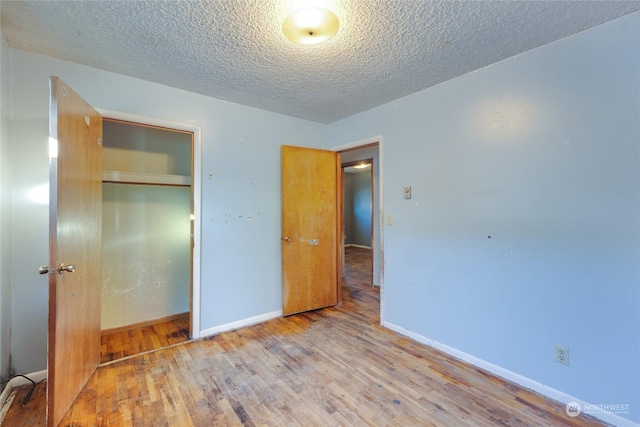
292,243
361,153
358,230
367,263
147,249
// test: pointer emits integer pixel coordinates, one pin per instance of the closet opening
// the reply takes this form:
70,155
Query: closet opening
147,238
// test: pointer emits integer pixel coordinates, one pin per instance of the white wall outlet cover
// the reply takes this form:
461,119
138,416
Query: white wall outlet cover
561,354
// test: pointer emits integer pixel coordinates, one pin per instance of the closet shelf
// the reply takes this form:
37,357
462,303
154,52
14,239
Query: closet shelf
145,178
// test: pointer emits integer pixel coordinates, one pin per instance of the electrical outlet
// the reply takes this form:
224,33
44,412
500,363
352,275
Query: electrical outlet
562,354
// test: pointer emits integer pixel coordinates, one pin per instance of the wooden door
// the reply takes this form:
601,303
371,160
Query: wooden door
75,231
311,223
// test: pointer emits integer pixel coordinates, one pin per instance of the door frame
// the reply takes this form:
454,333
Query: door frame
379,228
195,328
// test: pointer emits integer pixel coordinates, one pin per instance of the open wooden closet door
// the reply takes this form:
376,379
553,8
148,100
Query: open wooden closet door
75,231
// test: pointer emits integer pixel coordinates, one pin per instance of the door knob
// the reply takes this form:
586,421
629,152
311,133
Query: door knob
44,269
287,239
63,267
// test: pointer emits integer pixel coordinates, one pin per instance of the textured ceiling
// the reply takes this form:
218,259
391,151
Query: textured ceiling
235,50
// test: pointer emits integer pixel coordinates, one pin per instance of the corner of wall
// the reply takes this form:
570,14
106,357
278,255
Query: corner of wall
5,207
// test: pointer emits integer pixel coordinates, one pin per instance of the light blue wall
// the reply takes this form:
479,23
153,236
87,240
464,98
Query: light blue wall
241,272
361,208
146,253
347,208
523,230
5,211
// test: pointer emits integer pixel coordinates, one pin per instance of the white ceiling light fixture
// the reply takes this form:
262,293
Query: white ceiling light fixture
310,26
362,165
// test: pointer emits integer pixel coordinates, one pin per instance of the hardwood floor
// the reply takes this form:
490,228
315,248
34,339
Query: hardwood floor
358,271
335,366
124,343
114,345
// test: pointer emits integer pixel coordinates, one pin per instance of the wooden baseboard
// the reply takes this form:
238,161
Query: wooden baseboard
145,323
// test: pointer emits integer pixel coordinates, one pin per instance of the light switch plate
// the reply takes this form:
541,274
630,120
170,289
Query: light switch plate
407,192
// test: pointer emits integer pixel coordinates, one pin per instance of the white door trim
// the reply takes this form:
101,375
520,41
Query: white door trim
197,198
380,229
